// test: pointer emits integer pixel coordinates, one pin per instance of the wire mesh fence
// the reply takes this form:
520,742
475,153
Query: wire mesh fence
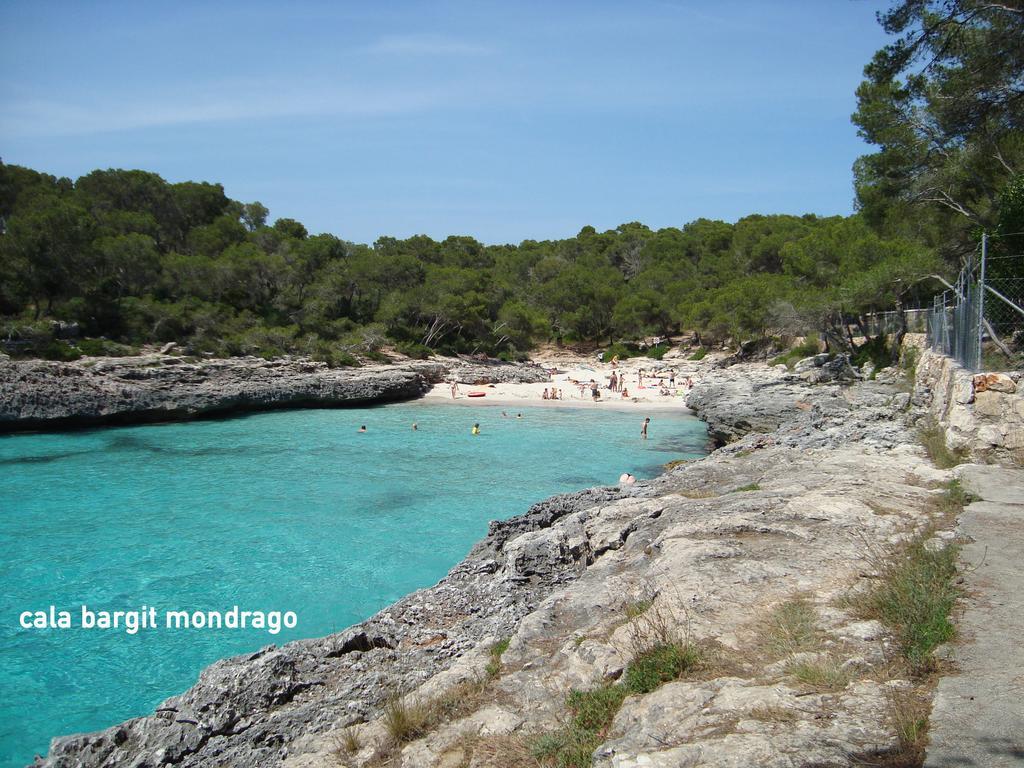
980,321
884,323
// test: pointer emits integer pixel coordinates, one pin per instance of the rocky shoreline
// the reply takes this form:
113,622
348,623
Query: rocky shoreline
39,394
814,478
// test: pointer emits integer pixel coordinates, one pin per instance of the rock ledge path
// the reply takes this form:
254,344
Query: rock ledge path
978,712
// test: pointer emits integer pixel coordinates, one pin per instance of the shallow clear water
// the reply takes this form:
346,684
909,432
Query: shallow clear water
281,511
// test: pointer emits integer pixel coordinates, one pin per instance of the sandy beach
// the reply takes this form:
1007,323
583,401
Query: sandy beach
572,376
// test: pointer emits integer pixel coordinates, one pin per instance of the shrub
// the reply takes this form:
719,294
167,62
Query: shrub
811,345
875,351
658,352
104,348
617,350
808,348
376,355
513,356
60,350
699,354
414,350
333,355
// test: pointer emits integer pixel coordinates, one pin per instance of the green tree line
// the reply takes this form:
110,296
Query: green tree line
135,259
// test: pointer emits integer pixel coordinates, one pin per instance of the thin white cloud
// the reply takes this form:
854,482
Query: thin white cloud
426,45
54,117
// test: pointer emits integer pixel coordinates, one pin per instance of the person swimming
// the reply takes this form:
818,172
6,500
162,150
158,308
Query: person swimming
476,429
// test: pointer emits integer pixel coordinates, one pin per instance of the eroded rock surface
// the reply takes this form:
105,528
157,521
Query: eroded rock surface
706,551
39,394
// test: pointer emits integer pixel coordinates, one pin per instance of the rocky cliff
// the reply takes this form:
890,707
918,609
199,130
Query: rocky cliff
40,394
778,523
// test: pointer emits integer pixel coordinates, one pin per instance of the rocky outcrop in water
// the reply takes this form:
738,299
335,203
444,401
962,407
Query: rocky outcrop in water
710,551
39,394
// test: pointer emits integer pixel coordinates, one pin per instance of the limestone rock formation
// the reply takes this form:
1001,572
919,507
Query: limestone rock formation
708,553
39,394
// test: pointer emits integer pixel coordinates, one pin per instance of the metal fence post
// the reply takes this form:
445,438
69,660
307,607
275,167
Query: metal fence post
981,297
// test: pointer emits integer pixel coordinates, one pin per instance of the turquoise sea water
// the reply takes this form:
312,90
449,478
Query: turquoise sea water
291,510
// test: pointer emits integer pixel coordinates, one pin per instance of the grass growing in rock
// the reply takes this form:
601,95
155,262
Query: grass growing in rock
406,719
347,744
952,502
821,674
933,440
660,664
748,487
909,713
493,668
636,609
659,657
592,711
792,627
914,596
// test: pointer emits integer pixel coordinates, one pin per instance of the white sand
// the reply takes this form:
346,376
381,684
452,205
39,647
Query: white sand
570,368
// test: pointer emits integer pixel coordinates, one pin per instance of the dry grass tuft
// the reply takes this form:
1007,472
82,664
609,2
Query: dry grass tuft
512,751
791,627
406,719
824,674
773,714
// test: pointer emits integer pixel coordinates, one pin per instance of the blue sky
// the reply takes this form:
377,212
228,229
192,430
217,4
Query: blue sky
502,120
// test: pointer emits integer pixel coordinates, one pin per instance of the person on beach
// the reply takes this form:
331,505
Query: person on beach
595,392
545,395
643,429
625,394
672,377
455,388
476,429
613,382
362,428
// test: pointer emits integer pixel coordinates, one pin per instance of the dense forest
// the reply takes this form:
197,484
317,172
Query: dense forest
125,258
